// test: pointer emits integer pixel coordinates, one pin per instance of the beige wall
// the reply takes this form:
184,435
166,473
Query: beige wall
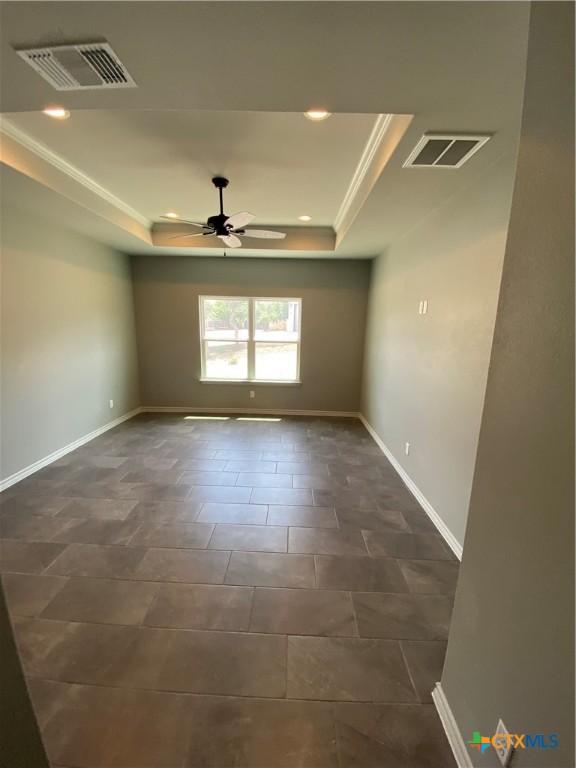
333,293
425,375
68,340
511,647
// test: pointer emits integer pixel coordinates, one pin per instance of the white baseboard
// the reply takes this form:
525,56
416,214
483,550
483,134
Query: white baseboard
31,468
443,529
255,411
457,743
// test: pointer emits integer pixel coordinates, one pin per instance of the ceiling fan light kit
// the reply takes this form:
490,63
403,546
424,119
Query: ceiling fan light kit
230,229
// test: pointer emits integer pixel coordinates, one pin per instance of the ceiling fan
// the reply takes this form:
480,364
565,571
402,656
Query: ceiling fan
228,228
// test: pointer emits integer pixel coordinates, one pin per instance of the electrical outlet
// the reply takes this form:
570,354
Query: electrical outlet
503,743
406,448
111,403
252,394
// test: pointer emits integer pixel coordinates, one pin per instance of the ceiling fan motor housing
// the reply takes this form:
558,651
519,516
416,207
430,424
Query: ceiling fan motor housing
218,224
220,182
228,227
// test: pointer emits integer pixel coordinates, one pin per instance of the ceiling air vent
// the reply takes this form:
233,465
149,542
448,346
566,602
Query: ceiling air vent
76,67
444,151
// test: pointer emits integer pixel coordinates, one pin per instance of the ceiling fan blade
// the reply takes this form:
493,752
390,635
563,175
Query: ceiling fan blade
231,241
182,221
239,220
265,234
181,237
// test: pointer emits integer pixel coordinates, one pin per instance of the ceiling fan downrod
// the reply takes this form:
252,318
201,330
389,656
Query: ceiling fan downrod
220,182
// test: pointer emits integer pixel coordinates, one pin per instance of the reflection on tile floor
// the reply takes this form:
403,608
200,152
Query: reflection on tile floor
229,595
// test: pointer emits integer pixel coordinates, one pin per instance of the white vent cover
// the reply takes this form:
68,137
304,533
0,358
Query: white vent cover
444,151
76,67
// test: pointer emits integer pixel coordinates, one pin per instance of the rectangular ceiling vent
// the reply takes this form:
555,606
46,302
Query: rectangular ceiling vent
77,67
444,151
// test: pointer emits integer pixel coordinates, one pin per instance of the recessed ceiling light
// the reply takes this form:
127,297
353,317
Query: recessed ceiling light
317,114
305,218
58,113
171,215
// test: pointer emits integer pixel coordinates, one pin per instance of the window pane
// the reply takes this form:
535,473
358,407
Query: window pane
276,362
226,360
225,318
277,320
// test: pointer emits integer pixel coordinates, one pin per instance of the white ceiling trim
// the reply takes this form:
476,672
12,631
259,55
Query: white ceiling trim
386,134
41,150
366,159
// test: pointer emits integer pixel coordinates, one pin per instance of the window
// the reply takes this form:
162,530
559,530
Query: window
249,339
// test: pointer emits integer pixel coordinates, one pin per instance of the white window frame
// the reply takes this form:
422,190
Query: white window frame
250,341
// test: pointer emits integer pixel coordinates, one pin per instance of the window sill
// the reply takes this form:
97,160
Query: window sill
256,383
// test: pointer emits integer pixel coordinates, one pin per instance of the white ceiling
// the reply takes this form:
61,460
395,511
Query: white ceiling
211,103
279,165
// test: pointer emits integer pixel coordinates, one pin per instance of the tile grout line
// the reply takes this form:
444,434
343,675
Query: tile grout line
286,678
336,736
207,547
354,613
148,610
251,614
215,630
411,678
236,696
223,582
128,579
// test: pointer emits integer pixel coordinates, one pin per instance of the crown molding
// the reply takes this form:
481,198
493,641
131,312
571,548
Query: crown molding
375,139
387,131
7,128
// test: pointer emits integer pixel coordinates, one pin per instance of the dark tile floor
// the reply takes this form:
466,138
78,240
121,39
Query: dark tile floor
229,594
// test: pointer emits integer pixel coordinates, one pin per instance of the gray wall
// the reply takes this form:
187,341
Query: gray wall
334,295
68,339
511,647
425,375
